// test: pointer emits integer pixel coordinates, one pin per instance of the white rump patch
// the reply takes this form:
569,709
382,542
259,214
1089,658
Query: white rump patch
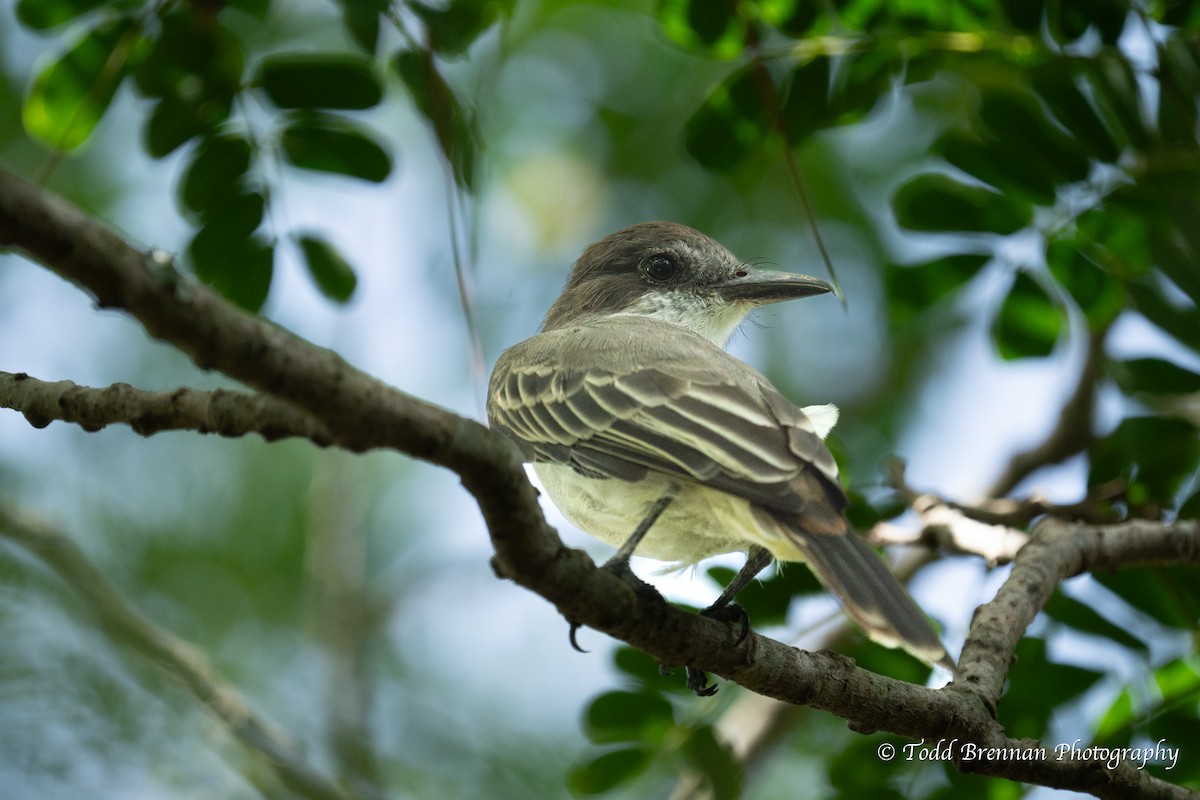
823,417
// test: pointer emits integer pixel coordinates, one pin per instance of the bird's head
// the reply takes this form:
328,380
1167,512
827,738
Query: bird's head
673,273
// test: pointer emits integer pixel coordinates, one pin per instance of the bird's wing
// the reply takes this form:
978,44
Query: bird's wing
620,397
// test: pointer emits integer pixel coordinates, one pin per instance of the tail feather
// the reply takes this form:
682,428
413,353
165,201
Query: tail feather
871,595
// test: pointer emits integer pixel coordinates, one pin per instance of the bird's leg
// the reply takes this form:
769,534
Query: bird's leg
620,560
725,609
756,561
619,563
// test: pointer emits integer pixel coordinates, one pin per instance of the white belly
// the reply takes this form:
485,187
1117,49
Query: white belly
700,522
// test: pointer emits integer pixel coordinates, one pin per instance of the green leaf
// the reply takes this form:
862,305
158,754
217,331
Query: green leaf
1175,243
455,27
1114,236
238,215
793,18
332,273
1109,17
620,716
328,144
1190,508
1099,296
645,671
1115,727
1180,321
320,80
72,92
173,122
863,81
715,761
1153,456
728,125
191,60
1178,680
255,8
1055,82
216,172
607,771
767,602
972,155
714,27
1115,90
1179,83
45,14
912,290
1154,376
1167,712
1025,15
891,661
853,773
1037,688
195,72
805,103
453,125
1027,146
362,19
1067,21
1083,617
237,267
1029,321
938,203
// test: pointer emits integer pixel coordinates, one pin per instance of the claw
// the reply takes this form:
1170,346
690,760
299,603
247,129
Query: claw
575,626
697,681
730,612
745,618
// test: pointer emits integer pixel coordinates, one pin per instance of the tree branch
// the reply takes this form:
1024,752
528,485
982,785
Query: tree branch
361,412
991,527
223,412
1059,550
173,655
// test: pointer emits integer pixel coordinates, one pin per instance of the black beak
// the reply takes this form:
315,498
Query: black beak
761,287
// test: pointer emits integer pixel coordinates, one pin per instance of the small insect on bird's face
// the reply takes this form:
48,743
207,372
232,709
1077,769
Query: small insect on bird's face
673,273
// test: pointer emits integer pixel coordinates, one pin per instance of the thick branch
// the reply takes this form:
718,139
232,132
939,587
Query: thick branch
361,412
175,656
1059,550
223,412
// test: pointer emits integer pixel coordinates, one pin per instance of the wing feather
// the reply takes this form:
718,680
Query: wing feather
654,396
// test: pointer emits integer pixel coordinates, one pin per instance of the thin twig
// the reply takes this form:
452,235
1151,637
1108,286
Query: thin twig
222,411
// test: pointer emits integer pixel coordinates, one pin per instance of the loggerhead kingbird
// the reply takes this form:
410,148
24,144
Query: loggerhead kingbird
647,435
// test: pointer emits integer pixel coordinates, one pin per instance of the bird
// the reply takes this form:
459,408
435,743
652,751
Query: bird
648,435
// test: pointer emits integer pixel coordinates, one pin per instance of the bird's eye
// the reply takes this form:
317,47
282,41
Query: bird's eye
659,268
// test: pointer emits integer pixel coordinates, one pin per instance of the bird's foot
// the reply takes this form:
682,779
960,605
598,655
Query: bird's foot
733,614
618,565
697,680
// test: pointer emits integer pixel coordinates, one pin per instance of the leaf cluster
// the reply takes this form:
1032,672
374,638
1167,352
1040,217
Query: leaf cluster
189,60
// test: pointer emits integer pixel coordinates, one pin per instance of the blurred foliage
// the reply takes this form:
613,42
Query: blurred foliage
191,64
1065,169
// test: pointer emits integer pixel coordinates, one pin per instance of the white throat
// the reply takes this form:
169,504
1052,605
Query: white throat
711,317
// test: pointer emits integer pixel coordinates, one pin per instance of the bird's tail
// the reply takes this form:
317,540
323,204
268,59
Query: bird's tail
871,595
